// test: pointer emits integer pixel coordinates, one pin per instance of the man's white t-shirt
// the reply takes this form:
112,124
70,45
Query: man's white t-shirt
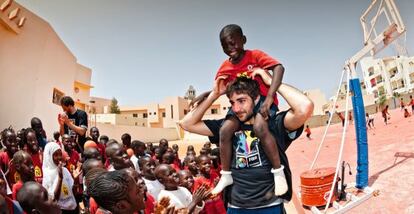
154,187
134,161
180,198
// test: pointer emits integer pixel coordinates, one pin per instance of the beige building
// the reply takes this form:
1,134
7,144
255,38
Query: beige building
36,69
388,75
160,115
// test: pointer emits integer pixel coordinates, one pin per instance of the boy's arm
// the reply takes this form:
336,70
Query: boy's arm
192,122
277,77
197,202
301,107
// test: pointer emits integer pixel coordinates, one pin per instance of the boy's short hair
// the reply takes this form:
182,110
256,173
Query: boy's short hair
26,195
126,136
142,160
26,132
104,137
67,101
230,29
18,157
137,143
243,85
4,132
198,158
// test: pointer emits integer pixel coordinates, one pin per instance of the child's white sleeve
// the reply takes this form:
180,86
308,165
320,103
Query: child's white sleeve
198,209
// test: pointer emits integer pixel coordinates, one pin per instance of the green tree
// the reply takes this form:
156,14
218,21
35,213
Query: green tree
383,100
114,108
395,97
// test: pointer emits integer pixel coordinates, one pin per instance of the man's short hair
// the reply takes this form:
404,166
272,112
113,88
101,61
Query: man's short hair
67,101
243,85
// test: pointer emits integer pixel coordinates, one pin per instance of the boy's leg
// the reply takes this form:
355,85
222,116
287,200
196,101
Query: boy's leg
268,142
229,127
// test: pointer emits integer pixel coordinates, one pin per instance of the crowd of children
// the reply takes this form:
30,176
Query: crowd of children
105,176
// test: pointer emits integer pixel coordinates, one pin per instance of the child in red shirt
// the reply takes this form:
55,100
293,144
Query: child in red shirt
73,165
148,199
30,142
216,204
94,133
168,158
186,180
191,165
308,132
24,166
8,138
253,64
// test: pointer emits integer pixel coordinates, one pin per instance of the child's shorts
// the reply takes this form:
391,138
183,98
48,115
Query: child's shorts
273,109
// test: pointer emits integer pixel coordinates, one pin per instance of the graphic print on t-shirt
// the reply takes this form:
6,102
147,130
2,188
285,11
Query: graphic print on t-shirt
71,132
247,150
16,177
38,172
65,190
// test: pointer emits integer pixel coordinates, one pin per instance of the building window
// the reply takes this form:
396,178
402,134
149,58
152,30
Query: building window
172,110
214,111
134,115
185,111
373,82
150,113
163,114
136,123
224,108
56,96
144,115
370,71
155,113
393,71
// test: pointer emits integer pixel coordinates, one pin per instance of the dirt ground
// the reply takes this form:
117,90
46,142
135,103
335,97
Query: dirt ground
391,160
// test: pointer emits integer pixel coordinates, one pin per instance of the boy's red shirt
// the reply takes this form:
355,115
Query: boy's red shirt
15,189
12,176
252,59
215,205
101,150
73,160
175,166
93,206
149,204
37,164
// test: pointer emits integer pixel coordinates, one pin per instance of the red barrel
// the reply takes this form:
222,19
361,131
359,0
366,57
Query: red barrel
315,186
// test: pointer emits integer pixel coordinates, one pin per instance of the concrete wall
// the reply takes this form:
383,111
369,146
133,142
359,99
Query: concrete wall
100,105
319,100
139,133
32,64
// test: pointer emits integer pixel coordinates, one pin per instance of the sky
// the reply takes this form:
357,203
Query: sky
141,52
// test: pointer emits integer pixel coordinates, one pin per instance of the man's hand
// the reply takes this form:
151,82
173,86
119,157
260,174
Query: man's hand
61,121
265,108
64,118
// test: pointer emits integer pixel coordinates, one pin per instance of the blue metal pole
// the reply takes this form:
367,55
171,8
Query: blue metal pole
361,134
